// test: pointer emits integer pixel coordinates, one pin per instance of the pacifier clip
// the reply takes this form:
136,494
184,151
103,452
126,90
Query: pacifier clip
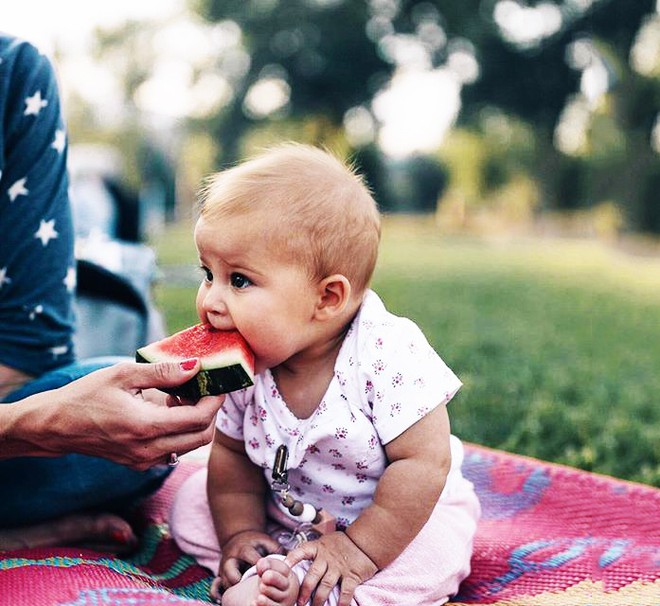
305,512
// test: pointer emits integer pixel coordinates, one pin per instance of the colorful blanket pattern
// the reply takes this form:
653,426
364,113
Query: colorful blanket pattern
549,535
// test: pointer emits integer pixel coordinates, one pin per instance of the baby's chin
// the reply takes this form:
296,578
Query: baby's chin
261,366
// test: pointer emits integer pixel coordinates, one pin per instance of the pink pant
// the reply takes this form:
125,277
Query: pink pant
427,573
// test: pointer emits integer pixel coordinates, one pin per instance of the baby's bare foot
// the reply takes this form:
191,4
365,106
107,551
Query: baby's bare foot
278,585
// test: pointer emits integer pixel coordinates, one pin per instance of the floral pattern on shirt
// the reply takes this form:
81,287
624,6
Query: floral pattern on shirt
386,378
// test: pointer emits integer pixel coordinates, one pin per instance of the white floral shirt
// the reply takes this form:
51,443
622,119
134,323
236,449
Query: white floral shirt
386,378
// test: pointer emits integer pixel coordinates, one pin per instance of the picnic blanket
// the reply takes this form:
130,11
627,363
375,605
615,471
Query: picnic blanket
550,535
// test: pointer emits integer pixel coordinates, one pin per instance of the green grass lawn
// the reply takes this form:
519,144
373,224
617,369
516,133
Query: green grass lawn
557,342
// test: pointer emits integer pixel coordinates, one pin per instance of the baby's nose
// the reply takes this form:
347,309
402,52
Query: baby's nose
216,310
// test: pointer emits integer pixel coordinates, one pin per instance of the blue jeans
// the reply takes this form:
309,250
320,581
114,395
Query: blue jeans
35,489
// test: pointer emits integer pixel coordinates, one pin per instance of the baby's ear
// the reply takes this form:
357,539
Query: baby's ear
334,295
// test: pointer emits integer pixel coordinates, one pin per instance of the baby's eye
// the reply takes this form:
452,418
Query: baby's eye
239,280
206,272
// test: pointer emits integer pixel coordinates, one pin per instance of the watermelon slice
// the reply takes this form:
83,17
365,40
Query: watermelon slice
227,360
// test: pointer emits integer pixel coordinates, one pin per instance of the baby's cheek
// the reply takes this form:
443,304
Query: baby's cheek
199,307
263,354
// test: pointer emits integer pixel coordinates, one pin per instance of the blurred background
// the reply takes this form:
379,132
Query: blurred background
514,146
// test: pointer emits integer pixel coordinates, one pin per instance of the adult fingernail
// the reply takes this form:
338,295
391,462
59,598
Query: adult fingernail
188,364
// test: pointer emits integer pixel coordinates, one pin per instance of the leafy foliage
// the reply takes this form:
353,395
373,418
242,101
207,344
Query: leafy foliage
320,49
333,55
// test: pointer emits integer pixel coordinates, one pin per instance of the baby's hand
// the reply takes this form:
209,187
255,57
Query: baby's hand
335,560
242,551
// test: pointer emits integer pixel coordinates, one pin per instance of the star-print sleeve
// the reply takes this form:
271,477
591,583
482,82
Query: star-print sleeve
403,377
37,271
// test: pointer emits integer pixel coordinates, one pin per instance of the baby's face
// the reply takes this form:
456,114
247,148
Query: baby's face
247,287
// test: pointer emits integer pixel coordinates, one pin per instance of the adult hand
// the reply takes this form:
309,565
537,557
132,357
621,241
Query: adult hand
11,379
336,560
241,551
111,413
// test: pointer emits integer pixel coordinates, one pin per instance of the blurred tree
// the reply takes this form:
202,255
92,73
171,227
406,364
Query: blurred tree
313,53
538,80
317,59
561,71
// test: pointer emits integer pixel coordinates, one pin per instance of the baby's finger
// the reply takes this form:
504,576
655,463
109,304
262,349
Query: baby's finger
307,551
250,554
311,581
231,572
267,546
216,589
325,587
346,591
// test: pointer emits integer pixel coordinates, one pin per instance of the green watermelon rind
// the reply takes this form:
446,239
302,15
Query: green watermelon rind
221,373
209,382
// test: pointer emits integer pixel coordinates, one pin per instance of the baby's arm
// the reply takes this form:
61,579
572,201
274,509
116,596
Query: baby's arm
419,461
236,491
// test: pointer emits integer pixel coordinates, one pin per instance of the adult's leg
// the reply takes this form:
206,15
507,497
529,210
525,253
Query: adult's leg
36,489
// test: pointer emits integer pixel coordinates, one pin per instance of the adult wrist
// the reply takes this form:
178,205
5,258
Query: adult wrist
23,429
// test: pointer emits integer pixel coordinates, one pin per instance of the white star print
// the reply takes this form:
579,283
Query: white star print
4,278
59,141
58,350
18,189
70,280
46,231
34,104
39,309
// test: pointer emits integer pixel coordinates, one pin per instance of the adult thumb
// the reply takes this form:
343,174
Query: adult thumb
165,374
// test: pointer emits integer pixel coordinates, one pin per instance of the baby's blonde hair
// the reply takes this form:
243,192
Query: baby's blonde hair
320,212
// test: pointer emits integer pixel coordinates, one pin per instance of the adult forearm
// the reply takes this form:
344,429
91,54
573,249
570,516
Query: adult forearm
24,429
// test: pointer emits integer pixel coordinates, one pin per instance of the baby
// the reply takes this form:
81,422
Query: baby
334,479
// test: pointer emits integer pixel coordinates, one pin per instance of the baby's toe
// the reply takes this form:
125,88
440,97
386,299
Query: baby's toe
275,564
277,583
273,582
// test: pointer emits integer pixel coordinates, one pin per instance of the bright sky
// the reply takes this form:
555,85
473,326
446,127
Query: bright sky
68,24
69,21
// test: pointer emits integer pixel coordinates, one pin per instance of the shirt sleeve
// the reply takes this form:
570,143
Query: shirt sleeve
404,378
231,415
37,270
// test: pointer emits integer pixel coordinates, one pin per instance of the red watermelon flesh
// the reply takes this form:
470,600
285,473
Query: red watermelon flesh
226,359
